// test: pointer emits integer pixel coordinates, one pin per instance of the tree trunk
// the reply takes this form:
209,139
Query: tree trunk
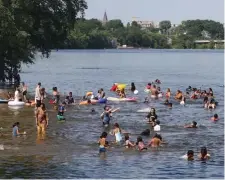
2,69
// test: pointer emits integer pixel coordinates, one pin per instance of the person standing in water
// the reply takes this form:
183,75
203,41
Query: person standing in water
61,111
140,144
128,144
103,143
155,141
24,91
41,120
38,95
106,115
204,154
117,133
133,88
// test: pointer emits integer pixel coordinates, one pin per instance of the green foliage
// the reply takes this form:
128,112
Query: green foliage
164,26
27,26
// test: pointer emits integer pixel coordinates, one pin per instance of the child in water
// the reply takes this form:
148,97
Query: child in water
128,144
61,111
193,125
140,144
215,117
103,144
15,130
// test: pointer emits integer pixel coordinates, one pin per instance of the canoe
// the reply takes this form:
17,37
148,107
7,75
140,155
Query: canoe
122,99
4,101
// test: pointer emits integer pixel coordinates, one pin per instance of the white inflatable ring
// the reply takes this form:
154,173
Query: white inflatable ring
16,103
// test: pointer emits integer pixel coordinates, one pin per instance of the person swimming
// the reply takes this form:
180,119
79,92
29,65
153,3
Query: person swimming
146,132
204,154
189,156
193,125
103,143
140,144
215,117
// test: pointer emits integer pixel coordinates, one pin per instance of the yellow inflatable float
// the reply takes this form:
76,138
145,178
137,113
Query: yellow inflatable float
121,86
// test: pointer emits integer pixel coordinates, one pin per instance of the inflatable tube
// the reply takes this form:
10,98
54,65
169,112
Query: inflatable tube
153,96
122,99
16,103
86,102
136,91
60,118
102,100
121,86
89,94
146,110
4,101
147,90
160,95
182,103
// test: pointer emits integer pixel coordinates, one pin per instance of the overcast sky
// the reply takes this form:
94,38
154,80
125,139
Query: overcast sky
157,10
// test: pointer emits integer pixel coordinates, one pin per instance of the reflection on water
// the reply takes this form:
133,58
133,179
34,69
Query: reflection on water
69,149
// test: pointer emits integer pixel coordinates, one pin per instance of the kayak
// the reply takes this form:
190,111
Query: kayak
122,99
4,101
93,101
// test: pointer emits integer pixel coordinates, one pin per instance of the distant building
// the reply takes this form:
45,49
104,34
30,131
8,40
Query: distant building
145,24
105,19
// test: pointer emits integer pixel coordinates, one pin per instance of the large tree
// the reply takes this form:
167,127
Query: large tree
164,26
28,26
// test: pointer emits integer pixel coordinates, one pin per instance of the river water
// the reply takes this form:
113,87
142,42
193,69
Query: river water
70,149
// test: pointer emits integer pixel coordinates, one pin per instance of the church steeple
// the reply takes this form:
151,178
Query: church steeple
105,19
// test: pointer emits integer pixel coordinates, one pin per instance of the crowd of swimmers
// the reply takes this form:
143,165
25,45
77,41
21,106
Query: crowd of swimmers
41,115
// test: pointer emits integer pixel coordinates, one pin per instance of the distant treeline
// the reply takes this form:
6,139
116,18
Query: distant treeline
92,34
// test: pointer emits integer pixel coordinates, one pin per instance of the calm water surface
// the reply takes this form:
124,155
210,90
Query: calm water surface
70,149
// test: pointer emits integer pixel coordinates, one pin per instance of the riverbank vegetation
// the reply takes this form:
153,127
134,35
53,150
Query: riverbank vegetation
92,34
28,26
